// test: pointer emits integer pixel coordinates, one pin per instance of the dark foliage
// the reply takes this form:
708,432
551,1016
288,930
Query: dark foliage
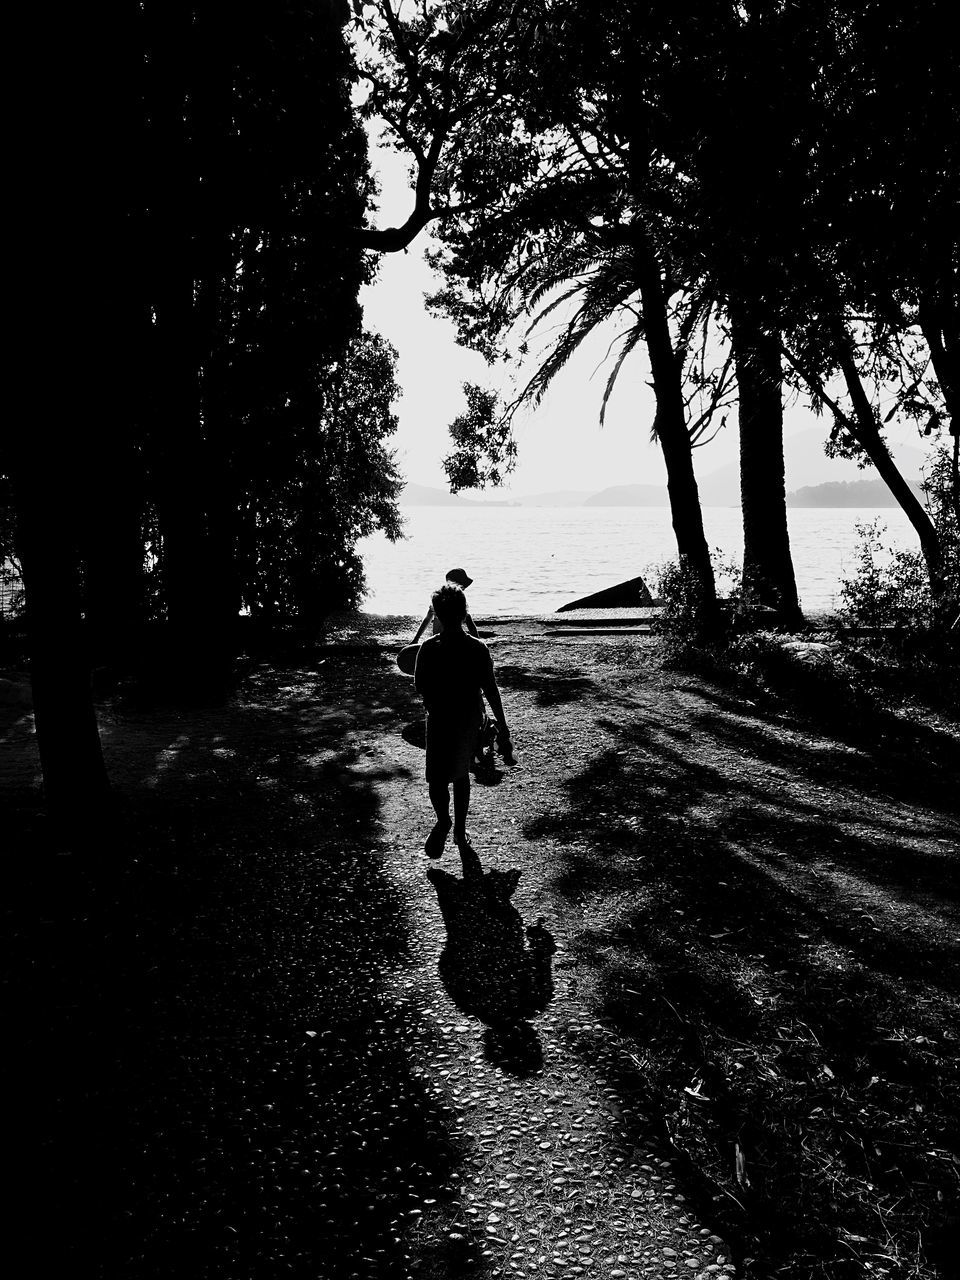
252,199
214,437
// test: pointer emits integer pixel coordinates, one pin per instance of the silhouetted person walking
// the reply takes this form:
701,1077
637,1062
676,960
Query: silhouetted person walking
453,670
456,578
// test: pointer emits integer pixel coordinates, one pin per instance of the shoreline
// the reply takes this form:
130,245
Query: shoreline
366,626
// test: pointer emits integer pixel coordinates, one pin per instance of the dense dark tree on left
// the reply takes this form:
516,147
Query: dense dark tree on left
207,418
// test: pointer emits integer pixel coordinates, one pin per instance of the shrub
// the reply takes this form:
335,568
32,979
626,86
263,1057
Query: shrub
685,631
891,588
820,680
11,587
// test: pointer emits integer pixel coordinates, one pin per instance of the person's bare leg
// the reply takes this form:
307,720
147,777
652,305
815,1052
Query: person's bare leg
461,806
440,799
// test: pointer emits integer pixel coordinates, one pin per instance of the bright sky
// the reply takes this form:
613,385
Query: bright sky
561,445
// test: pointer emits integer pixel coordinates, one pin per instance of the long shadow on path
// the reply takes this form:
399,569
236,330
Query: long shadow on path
492,966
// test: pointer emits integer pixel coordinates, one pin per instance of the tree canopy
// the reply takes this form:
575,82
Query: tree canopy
786,173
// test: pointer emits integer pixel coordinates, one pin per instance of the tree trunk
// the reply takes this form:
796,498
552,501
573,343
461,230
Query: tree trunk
213,108
940,324
768,575
863,427
110,278
670,427
197,656
48,496
112,550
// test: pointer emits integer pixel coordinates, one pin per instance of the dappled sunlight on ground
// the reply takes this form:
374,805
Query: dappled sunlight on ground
737,872
695,925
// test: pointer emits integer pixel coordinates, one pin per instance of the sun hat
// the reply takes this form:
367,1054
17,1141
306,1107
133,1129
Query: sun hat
459,576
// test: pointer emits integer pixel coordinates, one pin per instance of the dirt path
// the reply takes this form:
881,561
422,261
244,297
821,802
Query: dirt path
555,1169
285,1073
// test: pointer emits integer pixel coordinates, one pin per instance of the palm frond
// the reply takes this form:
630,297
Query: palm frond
633,337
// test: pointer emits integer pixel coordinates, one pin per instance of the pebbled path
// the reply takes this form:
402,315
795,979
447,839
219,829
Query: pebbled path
553,1169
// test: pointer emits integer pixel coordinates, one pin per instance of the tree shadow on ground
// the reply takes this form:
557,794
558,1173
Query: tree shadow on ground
549,686
229,1081
493,967
901,751
778,941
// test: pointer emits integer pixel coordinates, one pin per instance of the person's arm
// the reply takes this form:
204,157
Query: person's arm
492,694
423,625
422,675
469,624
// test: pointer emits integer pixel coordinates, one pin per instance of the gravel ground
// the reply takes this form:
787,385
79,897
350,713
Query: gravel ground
553,1172
299,1048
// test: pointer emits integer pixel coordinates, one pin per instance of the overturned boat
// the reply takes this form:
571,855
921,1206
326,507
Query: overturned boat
632,594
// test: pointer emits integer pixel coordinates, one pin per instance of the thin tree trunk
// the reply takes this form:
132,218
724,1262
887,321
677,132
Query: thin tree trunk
863,427
113,556
940,325
71,758
196,657
213,109
670,426
768,574
116,316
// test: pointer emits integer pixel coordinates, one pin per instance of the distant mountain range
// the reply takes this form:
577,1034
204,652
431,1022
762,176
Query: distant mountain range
847,493
557,498
806,467
813,480
423,495
834,493
629,495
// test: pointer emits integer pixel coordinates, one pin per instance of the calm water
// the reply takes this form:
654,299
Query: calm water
534,559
